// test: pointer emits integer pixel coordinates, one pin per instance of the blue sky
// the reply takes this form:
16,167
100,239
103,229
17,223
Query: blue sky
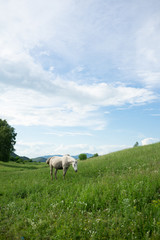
80,76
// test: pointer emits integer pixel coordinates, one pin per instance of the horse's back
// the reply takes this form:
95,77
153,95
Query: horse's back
60,162
56,162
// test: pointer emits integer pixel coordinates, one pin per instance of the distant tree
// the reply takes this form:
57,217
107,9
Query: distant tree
83,156
7,140
95,155
136,144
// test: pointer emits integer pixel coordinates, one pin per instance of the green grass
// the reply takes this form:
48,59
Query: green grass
116,196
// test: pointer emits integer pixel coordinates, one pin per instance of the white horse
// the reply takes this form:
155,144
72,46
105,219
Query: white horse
61,163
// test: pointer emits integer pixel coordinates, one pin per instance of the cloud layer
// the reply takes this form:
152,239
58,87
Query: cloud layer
67,63
31,149
74,105
120,40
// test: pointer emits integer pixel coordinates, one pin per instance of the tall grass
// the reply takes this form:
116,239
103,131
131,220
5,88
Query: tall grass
116,196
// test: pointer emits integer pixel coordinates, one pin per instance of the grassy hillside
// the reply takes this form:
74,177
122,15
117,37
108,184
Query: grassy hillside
116,196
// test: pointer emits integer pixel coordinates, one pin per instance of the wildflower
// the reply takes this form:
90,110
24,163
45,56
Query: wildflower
98,220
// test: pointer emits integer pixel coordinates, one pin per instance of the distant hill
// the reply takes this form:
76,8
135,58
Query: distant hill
14,155
48,156
22,157
39,159
44,158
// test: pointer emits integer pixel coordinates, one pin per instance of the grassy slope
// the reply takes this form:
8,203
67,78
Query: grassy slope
116,196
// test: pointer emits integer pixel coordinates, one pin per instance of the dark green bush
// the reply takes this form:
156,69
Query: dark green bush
83,156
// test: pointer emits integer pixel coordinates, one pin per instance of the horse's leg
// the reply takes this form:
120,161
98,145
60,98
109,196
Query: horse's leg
64,172
51,168
56,174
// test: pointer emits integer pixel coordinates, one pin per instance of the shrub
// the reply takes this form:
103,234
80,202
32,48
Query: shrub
95,155
19,160
136,144
83,156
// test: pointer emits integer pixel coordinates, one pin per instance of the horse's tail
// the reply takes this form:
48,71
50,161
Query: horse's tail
48,160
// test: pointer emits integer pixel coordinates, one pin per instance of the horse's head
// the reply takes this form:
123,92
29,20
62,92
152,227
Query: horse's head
72,161
75,165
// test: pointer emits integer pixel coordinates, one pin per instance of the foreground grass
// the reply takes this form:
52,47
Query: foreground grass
116,196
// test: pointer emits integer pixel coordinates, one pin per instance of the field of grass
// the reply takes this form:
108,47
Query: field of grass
116,196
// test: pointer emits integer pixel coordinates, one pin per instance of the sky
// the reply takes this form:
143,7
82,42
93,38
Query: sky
80,76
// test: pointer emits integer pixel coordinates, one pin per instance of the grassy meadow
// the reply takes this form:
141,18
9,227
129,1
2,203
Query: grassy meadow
115,196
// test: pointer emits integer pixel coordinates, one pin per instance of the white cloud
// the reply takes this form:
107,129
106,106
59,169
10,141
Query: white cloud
63,63
51,69
74,105
37,149
105,149
147,141
125,36
62,134
156,114
34,149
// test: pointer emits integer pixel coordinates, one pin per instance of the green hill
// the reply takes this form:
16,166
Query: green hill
39,159
115,196
21,157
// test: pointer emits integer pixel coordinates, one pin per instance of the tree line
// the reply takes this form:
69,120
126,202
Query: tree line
7,140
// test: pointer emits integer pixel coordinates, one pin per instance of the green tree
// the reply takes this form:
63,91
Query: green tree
136,144
7,140
95,155
83,156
